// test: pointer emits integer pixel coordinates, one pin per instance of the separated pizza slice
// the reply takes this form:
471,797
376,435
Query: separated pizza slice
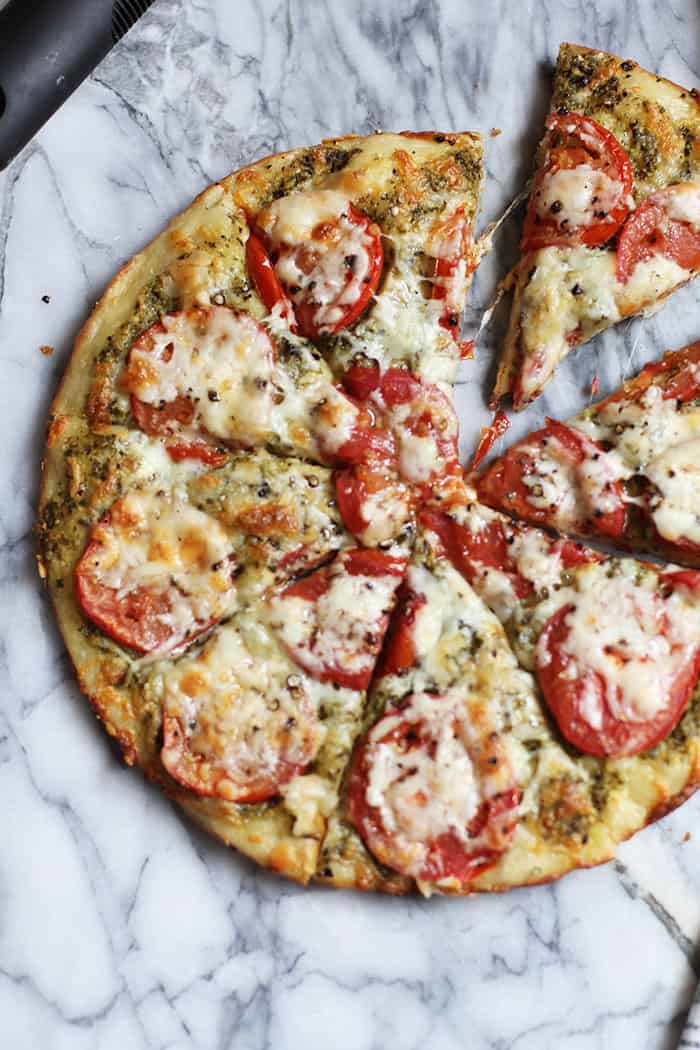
626,469
613,221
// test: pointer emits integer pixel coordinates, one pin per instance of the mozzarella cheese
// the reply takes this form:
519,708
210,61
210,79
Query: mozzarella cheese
621,629
291,220
243,707
676,475
580,196
683,203
338,629
156,541
221,361
424,792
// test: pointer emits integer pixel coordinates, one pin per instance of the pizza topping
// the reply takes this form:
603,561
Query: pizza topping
333,622
327,258
203,371
666,224
238,721
447,249
431,790
582,193
374,504
619,659
675,507
155,573
560,477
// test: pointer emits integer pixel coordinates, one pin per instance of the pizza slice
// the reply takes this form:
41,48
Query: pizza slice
432,791
626,469
371,255
614,642
613,220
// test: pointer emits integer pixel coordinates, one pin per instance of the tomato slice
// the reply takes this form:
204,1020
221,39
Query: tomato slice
447,250
613,669
560,477
667,223
329,277
374,504
413,817
472,552
399,653
234,725
582,191
333,621
362,380
154,574
201,375
425,426
489,436
265,279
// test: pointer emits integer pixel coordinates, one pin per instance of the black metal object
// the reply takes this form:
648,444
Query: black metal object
47,48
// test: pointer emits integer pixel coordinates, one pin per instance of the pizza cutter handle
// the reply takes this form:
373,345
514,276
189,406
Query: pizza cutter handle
47,48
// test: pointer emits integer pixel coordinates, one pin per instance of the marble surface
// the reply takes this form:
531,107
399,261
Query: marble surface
121,927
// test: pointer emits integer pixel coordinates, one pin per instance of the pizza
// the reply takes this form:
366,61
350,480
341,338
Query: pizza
626,469
234,462
613,220
283,599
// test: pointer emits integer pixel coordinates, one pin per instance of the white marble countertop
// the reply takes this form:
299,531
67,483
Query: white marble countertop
121,926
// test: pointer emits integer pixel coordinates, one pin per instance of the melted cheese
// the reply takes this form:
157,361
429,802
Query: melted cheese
338,629
291,220
331,272
642,428
565,291
649,281
676,475
156,541
220,360
243,707
310,799
621,629
386,512
578,196
683,203
424,794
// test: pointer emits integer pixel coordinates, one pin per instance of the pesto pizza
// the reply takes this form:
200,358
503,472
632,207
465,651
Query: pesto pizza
613,220
278,592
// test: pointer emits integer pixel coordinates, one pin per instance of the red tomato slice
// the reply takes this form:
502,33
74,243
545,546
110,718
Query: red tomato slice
201,775
373,503
595,501
138,619
399,652
489,436
168,419
141,615
448,251
361,380
265,279
413,845
581,699
337,638
651,230
573,141
474,552
336,272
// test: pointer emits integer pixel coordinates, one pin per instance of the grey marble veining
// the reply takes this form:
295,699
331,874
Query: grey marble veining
121,927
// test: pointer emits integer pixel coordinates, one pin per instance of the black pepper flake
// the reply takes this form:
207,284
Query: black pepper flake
555,207
627,66
577,289
46,298
213,395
